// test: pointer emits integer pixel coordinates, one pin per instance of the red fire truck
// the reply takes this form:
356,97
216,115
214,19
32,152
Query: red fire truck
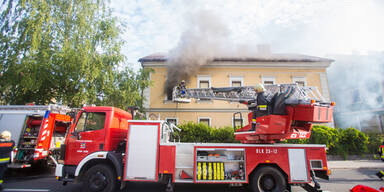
37,131
105,147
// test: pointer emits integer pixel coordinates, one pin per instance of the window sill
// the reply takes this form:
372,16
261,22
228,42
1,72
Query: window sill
204,101
168,101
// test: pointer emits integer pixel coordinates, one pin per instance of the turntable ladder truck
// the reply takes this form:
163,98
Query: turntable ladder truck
105,149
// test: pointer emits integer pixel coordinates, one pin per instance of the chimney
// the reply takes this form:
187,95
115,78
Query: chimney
264,49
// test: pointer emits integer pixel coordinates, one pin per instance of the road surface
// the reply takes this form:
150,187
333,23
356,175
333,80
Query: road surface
342,179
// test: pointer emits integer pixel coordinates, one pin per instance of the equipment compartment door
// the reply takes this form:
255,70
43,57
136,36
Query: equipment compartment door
142,152
298,165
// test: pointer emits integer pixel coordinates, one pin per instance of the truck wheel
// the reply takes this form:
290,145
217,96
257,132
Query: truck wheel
268,179
100,178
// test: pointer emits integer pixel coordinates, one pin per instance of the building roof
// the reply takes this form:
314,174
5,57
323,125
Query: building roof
273,57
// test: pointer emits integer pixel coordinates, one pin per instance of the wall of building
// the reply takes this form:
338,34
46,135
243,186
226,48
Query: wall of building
217,119
221,112
220,77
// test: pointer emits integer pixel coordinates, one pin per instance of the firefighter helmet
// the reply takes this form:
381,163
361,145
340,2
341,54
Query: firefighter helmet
6,135
259,88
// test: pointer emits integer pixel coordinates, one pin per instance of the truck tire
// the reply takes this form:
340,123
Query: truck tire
268,179
100,178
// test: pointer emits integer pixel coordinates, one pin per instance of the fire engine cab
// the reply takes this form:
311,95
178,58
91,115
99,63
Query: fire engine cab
105,148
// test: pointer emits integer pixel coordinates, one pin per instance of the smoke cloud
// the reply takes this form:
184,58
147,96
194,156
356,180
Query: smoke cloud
357,86
203,40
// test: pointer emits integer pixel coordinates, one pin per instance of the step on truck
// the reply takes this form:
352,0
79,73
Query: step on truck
38,130
105,149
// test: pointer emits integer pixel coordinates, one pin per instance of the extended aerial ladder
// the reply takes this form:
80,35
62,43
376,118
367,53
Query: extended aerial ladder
292,110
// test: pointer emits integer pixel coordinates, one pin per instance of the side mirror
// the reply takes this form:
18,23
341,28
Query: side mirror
75,134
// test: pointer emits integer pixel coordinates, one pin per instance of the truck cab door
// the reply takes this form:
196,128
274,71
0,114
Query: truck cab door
87,137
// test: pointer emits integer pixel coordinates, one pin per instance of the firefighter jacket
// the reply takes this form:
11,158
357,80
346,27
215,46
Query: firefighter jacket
260,103
5,151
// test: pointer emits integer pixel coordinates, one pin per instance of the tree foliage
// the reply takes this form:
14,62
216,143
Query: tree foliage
64,51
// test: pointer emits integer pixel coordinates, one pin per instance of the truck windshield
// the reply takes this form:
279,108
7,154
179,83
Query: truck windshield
90,121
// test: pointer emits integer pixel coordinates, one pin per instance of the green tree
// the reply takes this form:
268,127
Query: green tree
66,51
126,89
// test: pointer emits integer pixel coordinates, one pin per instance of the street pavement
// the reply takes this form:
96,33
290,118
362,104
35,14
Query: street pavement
345,175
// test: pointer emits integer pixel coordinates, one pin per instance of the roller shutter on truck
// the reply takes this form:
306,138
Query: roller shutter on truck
142,151
13,123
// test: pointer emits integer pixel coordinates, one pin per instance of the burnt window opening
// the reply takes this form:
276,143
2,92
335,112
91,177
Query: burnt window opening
169,95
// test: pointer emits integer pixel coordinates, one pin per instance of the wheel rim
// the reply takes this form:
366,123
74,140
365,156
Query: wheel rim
98,182
267,182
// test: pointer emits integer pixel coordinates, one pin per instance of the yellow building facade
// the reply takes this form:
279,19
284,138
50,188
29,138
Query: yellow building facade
227,72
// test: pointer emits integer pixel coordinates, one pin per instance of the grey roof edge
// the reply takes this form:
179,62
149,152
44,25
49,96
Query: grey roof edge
270,58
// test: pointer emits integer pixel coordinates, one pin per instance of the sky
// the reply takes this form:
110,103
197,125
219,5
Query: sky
312,27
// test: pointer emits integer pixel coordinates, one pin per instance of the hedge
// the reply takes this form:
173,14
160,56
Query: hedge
341,142
202,133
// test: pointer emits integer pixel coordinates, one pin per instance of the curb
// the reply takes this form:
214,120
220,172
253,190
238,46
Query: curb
356,164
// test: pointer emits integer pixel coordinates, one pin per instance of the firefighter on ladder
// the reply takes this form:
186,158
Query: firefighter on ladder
259,106
6,146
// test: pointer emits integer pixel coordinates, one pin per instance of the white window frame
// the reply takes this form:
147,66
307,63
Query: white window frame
298,78
268,78
204,78
209,123
236,78
175,118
